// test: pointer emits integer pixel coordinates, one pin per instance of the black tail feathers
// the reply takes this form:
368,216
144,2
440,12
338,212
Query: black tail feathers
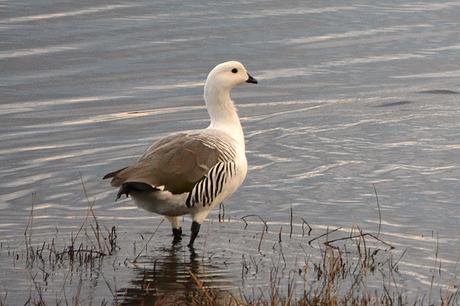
127,188
113,174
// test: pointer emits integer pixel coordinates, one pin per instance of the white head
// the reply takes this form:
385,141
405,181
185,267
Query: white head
227,75
220,106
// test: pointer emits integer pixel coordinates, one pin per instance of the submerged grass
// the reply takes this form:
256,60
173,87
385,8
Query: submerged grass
344,273
83,250
337,278
89,243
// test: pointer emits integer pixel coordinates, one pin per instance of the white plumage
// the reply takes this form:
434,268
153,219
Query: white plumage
192,172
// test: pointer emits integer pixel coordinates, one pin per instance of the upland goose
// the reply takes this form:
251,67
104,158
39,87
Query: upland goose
194,171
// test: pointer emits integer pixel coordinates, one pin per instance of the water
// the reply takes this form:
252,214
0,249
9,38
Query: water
348,97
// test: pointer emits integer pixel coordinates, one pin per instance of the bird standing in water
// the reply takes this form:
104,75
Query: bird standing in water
194,171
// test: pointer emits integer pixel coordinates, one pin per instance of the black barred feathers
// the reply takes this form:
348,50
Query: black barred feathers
208,188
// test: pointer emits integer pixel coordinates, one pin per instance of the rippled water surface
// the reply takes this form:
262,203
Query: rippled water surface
348,96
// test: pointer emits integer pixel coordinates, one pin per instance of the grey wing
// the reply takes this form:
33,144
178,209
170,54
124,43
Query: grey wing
178,162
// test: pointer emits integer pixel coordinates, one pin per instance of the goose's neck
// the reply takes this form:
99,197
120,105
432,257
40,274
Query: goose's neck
223,112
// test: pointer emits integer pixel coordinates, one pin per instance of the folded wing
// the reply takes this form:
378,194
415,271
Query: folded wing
179,161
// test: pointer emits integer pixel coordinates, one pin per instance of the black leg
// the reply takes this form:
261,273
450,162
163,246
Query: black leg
177,233
195,230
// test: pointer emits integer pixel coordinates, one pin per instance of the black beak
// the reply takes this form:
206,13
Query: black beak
251,79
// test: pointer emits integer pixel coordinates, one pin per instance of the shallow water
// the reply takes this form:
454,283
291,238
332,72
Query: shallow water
348,97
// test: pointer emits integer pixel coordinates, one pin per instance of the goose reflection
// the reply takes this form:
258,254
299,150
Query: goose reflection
165,278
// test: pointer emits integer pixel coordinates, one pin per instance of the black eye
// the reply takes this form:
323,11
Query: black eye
234,70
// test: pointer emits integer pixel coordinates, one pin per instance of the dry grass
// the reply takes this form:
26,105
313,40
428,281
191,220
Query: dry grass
339,276
89,243
335,280
84,249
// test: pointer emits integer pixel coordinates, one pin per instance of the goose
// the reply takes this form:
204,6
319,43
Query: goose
191,172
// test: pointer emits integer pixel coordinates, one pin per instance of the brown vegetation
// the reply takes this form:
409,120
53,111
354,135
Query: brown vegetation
339,276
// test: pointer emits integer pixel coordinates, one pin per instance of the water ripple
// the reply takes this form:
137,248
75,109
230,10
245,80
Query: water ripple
321,170
38,51
355,34
91,10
